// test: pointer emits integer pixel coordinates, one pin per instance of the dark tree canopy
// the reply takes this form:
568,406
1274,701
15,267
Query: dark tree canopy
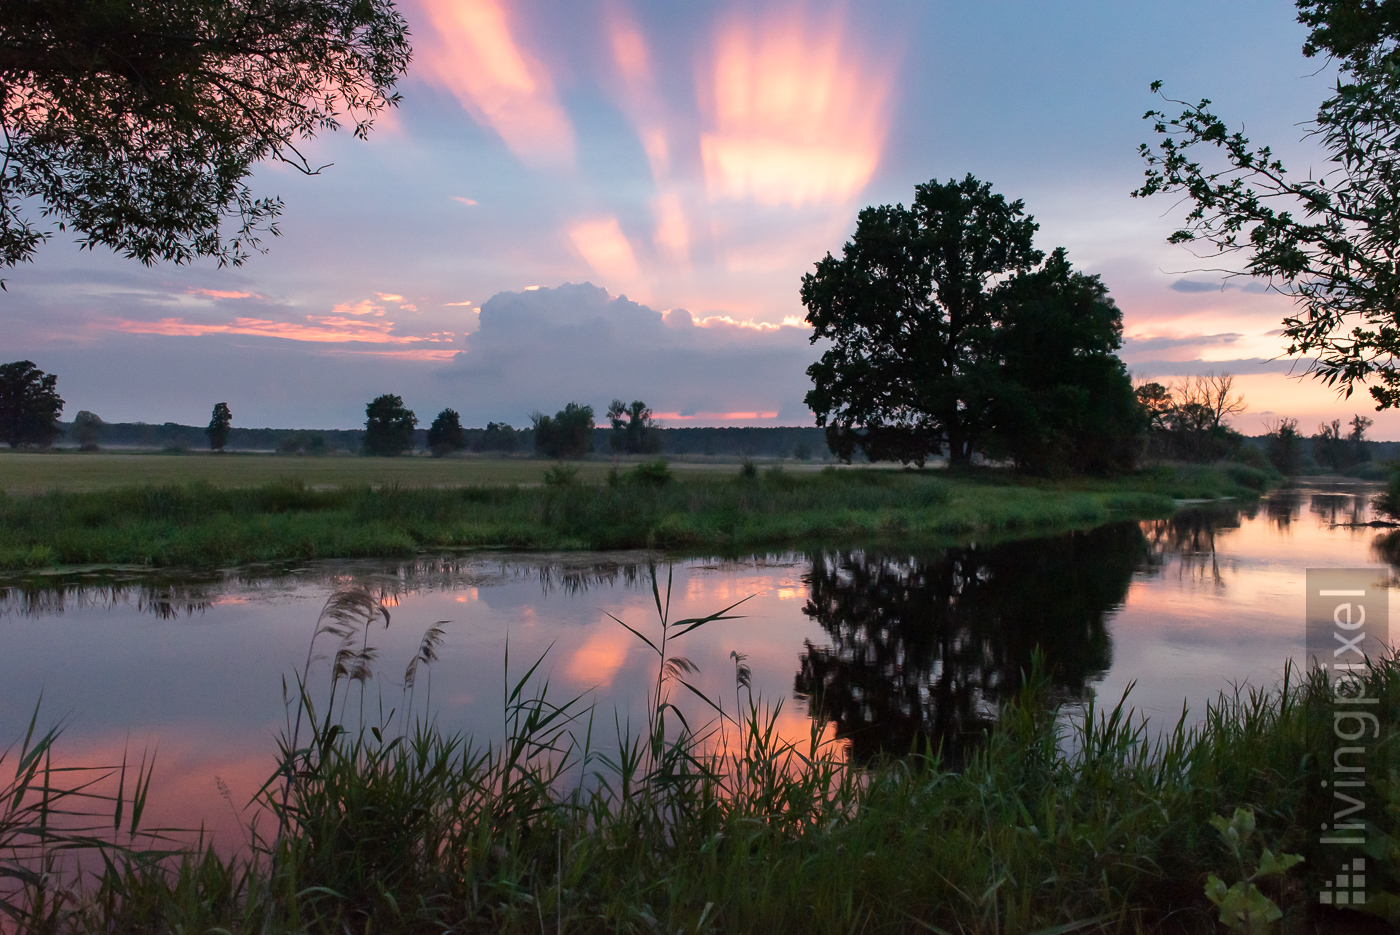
87,430
633,429
29,405
135,123
498,436
445,435
220,421
1327,238
566,434
1059,397
907,308
948,332
389,426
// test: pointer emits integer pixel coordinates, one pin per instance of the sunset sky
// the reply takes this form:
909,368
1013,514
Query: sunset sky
550,158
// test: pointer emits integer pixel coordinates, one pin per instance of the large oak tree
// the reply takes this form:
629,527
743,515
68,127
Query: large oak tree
949,333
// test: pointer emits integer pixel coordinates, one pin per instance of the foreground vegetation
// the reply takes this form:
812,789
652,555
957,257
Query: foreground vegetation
1102,825
202,525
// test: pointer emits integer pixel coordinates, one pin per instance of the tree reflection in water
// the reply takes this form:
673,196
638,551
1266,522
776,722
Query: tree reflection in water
1187,538
923,650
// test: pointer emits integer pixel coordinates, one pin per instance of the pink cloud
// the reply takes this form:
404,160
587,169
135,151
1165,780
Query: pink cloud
796,116
319,329
221,294
712,417
605,248
472,51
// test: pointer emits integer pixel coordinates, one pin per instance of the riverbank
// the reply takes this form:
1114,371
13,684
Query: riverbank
201,525
732,829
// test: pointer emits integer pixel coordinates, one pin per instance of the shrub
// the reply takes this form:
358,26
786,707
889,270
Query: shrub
652,474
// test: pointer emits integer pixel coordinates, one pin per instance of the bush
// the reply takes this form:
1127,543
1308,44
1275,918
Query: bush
561,475
652,474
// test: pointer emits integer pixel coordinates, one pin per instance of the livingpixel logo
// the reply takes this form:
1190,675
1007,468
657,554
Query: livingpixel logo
1348,624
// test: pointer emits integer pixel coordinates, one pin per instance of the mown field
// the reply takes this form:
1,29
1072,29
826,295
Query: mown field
229,518
32,472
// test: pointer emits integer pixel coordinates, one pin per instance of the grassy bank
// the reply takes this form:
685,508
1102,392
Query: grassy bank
203,525
25,473
1097,827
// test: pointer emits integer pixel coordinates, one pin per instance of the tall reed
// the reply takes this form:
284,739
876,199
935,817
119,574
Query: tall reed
1053,823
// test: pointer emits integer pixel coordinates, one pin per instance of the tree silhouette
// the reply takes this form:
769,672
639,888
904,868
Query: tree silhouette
135,125
566,434
389,426
633,429
947,333
445,435
924,649
219,424
87,430
29,405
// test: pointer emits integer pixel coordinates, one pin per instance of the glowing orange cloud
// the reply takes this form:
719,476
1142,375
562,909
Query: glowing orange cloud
629,48
603,245
320,329
363,307
398,300
221,294
474,54
796,117
672,233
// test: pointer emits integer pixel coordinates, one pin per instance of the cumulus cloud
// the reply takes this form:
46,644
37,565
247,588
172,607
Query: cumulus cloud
543,348
1252,286
1140,345
1293,366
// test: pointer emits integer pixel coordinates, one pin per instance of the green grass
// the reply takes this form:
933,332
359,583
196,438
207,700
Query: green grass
204,525
33,472
1092,823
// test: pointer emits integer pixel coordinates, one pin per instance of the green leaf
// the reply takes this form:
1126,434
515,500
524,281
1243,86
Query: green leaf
1271,864
1244,907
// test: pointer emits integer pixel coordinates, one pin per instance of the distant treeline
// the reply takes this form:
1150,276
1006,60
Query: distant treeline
782,442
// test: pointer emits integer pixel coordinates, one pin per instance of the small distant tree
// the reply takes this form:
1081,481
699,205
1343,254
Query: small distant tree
566,434
633,428
219,424
1284,446
87,430
389,426
29,405
1189,420
1329,447
1356,439
1156,401
445,435
498,437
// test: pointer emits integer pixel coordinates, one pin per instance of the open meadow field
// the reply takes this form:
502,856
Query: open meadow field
31,472
185,510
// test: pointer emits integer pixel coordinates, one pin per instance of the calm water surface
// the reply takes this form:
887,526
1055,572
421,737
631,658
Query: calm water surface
890,647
